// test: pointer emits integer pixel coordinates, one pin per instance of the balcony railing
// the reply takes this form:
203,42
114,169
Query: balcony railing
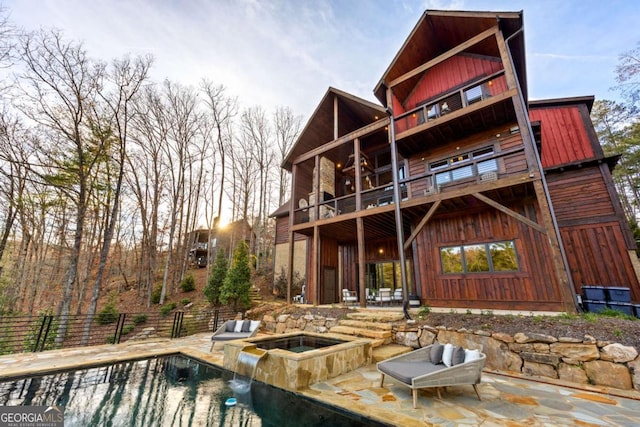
478,170
452,101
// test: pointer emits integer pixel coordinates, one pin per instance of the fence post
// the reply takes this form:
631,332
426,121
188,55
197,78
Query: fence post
177,324
216,314
43,333
119,326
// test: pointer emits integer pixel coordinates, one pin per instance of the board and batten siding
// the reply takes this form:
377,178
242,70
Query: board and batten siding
592,235
565,139
533,287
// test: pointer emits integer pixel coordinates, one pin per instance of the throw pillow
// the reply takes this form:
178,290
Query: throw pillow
245,325
447,353
458,356
470,355
231,324
238,327
436,353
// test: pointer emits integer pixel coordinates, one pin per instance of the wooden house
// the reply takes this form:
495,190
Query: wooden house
456,188
205,242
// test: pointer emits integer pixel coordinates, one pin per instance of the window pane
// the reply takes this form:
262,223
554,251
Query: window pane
487,166
460,158
476,259
503,256
474,94
464,172
451,259
443,178
483,152
438,165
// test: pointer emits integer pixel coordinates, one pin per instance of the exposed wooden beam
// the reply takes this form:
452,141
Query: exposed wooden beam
460,48
361,260
510,212
363,131
422,223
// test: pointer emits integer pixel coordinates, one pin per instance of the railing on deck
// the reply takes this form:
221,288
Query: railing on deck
19,334
478,170
452,101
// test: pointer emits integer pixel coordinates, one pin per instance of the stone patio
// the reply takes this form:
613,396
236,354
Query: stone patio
506,400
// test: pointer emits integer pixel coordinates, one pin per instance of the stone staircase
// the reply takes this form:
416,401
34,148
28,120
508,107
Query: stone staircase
378,327
255,296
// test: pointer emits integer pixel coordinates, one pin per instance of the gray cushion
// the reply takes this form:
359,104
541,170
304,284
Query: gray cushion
406,371
436,353
247,323
458,356
231,324
227,336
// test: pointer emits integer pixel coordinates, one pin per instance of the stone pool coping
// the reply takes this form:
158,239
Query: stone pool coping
297,371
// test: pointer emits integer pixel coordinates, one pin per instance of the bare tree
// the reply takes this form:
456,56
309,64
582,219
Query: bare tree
256,131
126,76
221,110
58,86
287,129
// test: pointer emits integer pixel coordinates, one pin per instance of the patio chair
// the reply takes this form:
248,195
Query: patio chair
300,297
397,295
235,330
429,367
384,296
349,297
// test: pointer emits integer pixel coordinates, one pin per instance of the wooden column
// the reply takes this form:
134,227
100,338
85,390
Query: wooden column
315,261
361,260
292,206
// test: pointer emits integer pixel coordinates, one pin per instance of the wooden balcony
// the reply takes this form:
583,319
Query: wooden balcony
462,112
491,172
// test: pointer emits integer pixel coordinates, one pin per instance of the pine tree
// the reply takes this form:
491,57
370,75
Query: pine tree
237,283
216,280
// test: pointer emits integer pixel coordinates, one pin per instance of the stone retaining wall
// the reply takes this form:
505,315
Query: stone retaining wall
586,361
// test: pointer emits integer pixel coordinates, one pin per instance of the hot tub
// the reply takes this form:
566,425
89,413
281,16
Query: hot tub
296,360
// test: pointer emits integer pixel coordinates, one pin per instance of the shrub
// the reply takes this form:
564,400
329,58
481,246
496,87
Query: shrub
155,294
185,301
166,309
127,329
280,284
109,312
140,318
188,283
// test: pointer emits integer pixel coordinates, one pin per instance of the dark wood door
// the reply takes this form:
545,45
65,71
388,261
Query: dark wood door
329,292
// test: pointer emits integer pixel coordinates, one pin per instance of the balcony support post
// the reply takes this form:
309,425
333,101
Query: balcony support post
397,197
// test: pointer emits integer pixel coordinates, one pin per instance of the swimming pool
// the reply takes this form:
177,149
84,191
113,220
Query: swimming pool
168,391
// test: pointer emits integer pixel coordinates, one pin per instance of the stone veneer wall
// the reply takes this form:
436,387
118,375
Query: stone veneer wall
586,361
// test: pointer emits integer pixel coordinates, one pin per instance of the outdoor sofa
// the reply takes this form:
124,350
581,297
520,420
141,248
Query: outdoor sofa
235,330
437,366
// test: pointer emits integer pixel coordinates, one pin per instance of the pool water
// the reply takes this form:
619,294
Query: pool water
169,391
298,344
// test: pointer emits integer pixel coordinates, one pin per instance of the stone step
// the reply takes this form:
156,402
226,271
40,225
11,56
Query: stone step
366,325
376,316
387,351
361,332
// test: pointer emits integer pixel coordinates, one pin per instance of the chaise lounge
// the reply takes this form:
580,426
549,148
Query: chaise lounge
435,366
235,330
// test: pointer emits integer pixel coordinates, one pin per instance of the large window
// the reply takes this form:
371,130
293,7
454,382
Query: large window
465,165
479,258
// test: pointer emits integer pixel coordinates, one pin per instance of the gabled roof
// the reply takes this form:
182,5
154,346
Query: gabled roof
438,31
353,112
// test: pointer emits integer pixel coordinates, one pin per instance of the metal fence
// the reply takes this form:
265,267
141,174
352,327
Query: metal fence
20,334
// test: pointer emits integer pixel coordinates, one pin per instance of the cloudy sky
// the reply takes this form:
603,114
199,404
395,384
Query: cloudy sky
288,52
